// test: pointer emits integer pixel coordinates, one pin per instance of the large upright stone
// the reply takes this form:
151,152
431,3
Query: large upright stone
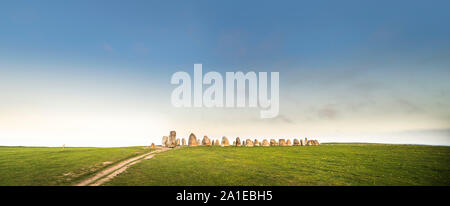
248,143
172,139
165,141
265,143
316,142
192,140
178,142
217,142
302,142
225,141
206,141
273,142
183,142
256,143
296,142
153,145
313,142
288,142
282,142
238,142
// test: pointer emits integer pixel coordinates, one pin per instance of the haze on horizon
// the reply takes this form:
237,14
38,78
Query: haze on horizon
97,73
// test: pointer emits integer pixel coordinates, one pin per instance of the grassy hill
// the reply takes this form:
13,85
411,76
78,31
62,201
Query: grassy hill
51,166
328,164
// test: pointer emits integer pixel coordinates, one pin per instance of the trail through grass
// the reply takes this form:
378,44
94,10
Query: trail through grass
51,166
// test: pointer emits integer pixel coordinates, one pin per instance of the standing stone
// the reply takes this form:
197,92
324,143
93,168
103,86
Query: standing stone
238,142
309,143
165,140
192,140
234,143
317,142
256,142
217,142
172,139
273,142
296,142
248,143
183,142
302,142
178,142
282,142
288,142
153,146
206,141
243,143
225,142
199,142
265,143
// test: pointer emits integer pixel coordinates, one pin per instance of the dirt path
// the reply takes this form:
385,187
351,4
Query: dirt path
110,172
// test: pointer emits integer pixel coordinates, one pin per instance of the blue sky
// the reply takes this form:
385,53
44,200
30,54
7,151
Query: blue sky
349,70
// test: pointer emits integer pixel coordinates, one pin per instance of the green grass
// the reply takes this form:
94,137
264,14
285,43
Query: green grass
328,164
51,166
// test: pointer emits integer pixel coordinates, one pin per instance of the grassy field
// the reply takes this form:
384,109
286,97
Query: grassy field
51,166
328,164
